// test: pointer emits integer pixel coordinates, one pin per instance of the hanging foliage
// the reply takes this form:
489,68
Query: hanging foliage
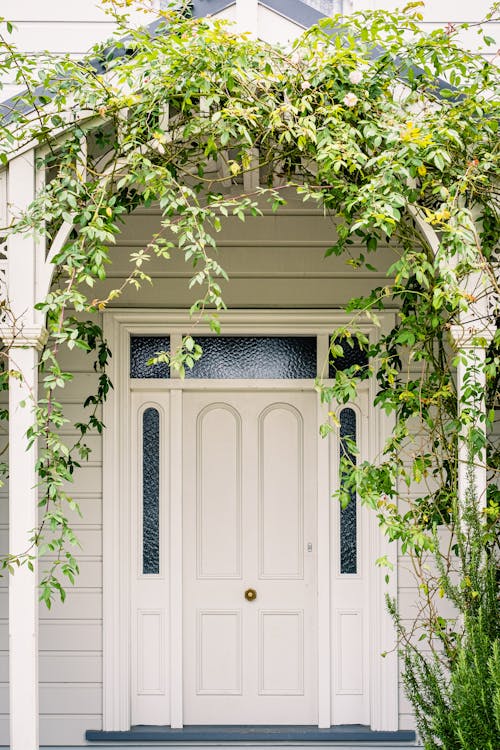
392,131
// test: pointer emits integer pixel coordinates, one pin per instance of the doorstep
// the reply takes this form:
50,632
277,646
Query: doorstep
351,733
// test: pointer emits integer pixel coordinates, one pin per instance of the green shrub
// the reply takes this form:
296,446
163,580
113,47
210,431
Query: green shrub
455,692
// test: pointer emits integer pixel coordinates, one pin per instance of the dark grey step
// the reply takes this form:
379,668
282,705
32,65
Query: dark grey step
250,734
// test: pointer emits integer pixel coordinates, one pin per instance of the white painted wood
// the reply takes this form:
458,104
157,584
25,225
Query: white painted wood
80,604
3,223
175,582
23,501
251,177
74,37
381,635
438,10
324,555
47,267
149,611
350,597
246,16
124,322
23,595
21,260
56,11
276,29
227,14
250,662
61,635
324,550
116,538
74,697
471,376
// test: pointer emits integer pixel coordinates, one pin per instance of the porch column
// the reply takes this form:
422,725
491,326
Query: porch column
23,334
23,518
472,339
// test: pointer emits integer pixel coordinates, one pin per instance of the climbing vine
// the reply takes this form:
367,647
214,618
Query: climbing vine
389,129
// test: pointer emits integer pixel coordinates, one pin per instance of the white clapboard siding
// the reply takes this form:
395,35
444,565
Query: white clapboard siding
83,698
89,541
67,729
90,576
407,721
59,729
63,667
90,507
63,635
70,436
272,261
77,389
80,604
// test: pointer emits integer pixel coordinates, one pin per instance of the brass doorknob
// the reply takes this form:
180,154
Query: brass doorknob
250,595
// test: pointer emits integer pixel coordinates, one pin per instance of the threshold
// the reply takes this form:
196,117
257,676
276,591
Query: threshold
266,734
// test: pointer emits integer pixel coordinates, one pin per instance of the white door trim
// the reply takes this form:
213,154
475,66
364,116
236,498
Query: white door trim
118,325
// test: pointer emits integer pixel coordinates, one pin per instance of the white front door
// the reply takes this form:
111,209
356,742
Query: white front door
249,591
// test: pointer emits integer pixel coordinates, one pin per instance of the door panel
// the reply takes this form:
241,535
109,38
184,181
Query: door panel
249,523
281,493
218,502
281,653
219,653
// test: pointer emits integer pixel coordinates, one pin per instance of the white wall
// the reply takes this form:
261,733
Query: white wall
59,26
439,13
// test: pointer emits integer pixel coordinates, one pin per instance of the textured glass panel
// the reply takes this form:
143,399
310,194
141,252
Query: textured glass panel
348,521
142,349
352,356
255,357
151,492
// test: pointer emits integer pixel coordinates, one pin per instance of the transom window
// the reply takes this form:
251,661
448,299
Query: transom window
250,357
232,357
287,357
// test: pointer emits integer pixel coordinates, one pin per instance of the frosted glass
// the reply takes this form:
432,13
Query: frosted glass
142,349
352,356
151,492
255,357
348,515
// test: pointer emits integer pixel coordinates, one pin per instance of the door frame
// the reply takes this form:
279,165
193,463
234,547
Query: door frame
118,326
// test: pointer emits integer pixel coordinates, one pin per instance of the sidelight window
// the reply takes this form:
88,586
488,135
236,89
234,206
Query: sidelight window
151,491
348,515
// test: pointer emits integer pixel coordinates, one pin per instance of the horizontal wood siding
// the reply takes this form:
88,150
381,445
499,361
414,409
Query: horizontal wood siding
272,261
